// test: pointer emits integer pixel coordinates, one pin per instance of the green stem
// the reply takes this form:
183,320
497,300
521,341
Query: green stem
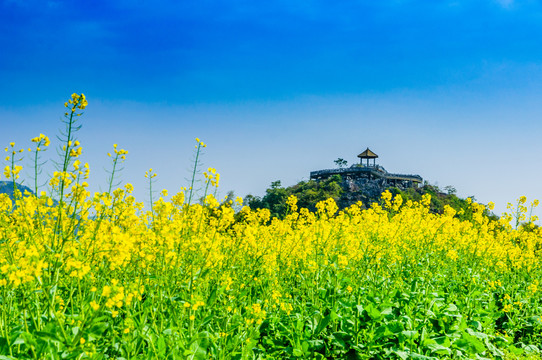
36,169
113,174
62,180
12,173
150,195
194,174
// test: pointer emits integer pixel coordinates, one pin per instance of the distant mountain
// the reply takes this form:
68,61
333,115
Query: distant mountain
6,187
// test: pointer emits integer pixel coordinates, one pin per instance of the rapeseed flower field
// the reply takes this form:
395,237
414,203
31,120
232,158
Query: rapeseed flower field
96,276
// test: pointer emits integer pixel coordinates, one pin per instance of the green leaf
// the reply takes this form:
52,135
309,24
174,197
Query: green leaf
18,341
451,308
479,335
395,327
383,332
470,344
401,354
373,312
299,325
206,321
493,349
316,345
531,349
305,346
161,345
75,330
442,340
212,296
196,352
48,336
25,338
514,350
204,340
360,309
98,328
439,349
322,325
387,311
410,334
419,356
341,339
476,325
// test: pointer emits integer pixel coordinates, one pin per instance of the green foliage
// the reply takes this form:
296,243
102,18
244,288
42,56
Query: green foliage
340,162
308,193
440,199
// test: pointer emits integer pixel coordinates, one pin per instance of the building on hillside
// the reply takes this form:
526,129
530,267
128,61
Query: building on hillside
368,171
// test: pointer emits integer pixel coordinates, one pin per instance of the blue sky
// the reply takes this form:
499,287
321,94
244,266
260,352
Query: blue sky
449,90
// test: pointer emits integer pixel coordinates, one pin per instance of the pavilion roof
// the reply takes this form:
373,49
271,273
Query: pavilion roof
368,154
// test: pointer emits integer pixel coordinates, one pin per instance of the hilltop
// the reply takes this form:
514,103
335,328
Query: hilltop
364,182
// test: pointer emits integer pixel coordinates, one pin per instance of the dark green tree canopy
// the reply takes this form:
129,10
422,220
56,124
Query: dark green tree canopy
309,193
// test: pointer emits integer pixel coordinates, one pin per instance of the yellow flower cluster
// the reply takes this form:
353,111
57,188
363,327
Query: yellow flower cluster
120,153
12,172
149,174
200,143
41,140
125,241
76,102
212,177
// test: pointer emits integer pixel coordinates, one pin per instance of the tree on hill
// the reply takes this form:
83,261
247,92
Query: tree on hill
274,200
309,193
340,162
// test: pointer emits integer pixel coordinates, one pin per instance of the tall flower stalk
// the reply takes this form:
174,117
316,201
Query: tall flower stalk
199,147
42,143
69,152
151,175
